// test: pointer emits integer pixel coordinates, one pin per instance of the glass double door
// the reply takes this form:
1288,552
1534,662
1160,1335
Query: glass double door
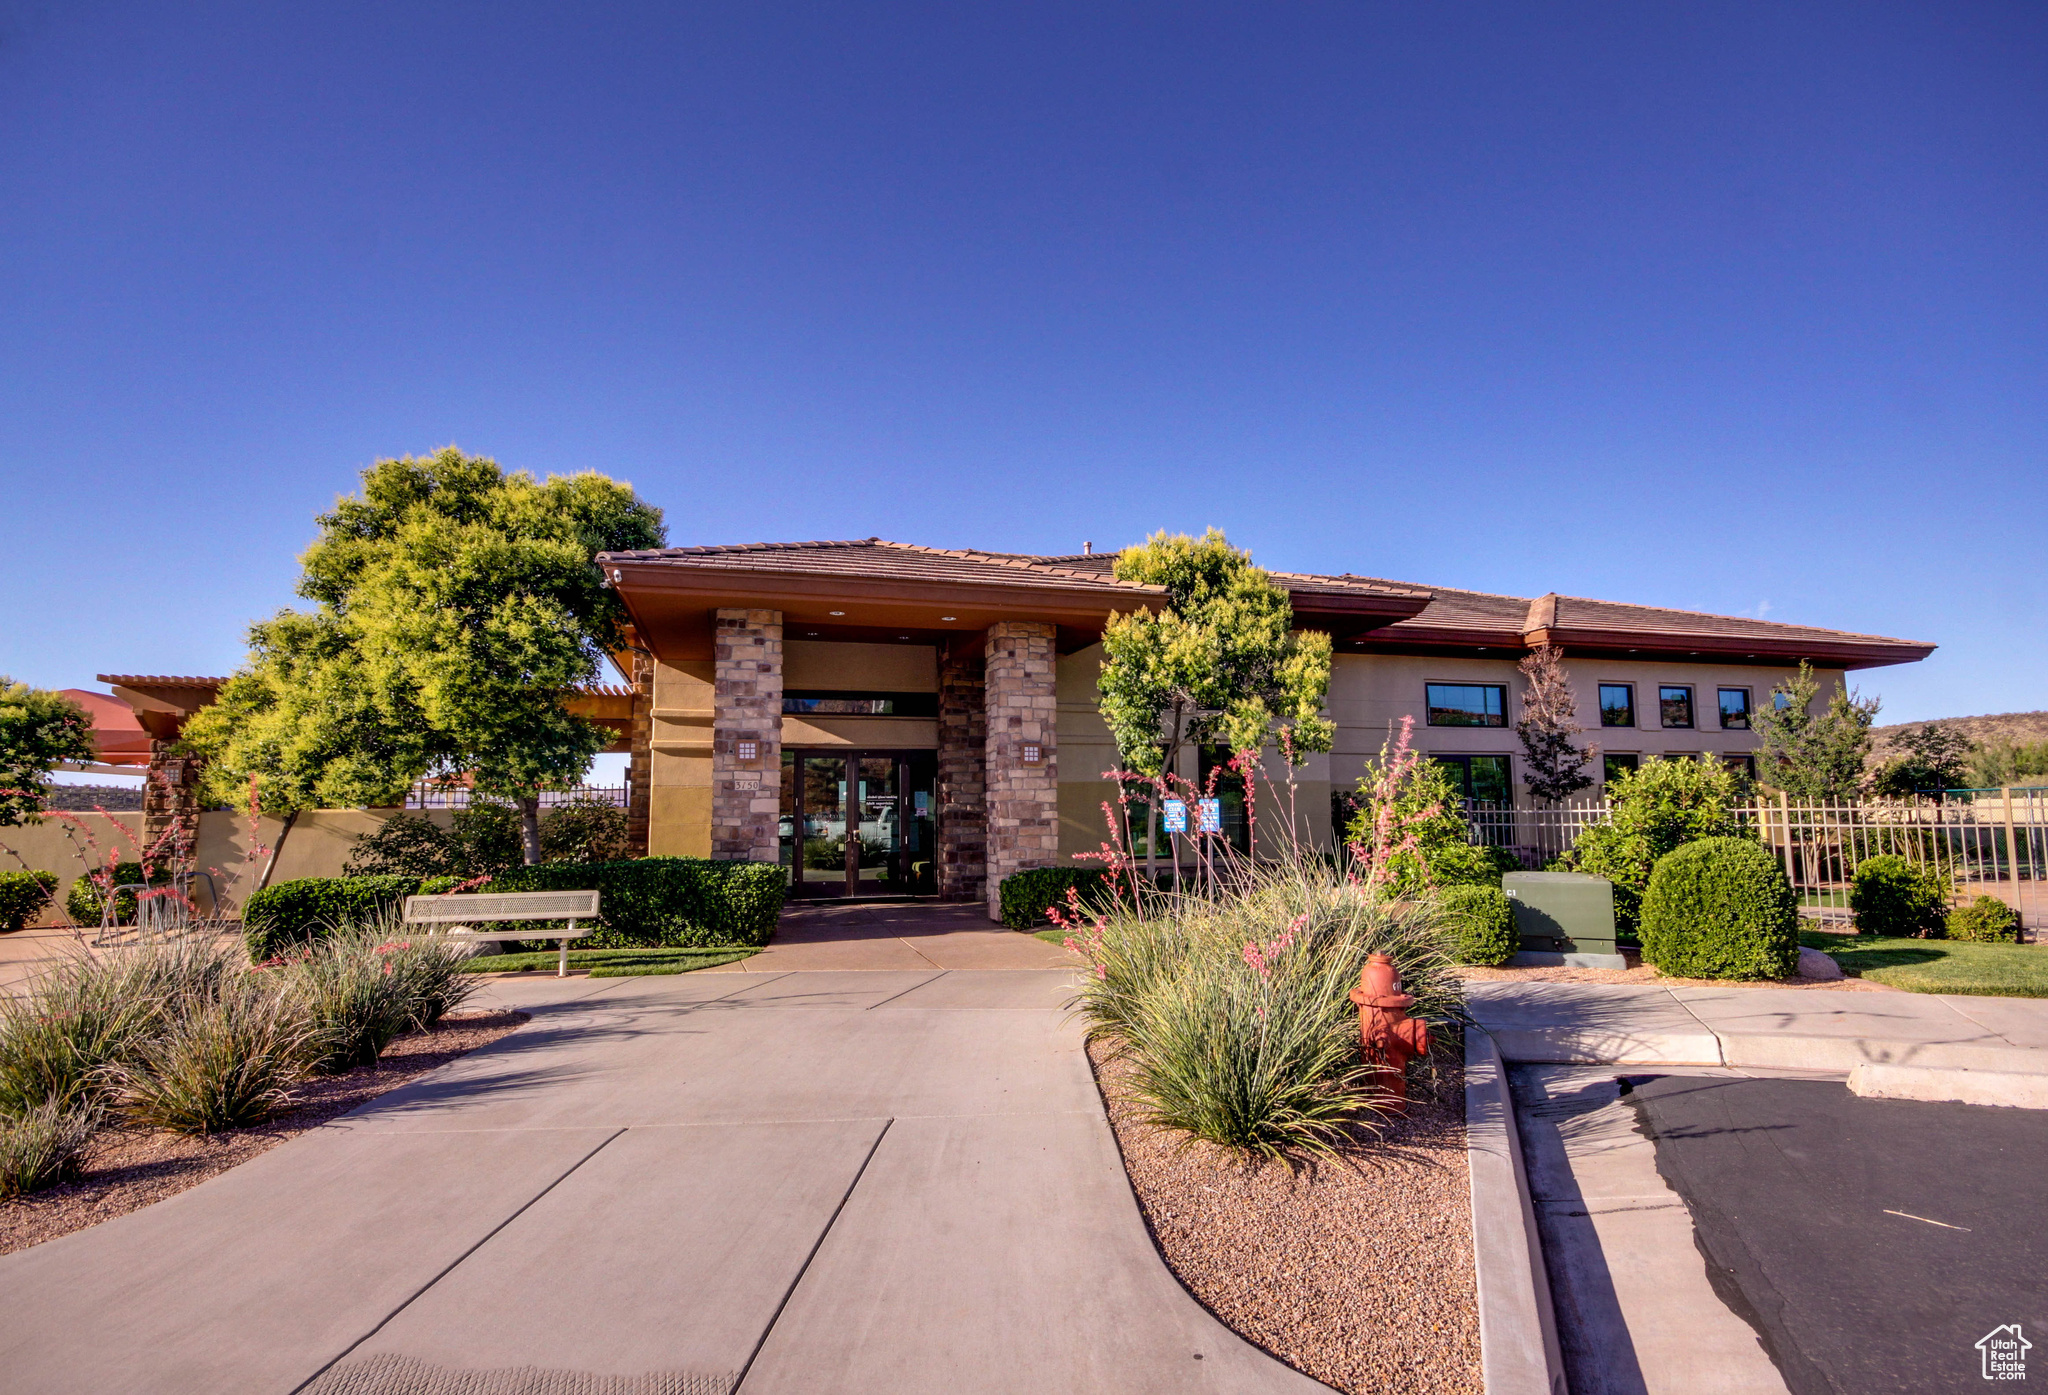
859,823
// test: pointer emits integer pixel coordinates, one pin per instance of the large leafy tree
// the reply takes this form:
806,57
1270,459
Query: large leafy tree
38,729
1932,760
1808,754
1218,664
455,606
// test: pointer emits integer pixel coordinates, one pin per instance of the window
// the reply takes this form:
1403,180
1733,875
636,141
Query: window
1237,828
1485,779
1612,764
1468,705
1735,709
838,704
1675,704
1744,766
1617,704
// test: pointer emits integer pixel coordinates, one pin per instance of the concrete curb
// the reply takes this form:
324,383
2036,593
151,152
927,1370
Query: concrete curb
2010,1089
1518,1347
1596,1046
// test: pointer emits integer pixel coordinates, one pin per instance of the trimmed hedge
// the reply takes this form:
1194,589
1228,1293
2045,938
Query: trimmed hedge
685,902
1891,896
1985,919
23,896
84,902
293,912
1482,924
1721,908
689,902
1024,896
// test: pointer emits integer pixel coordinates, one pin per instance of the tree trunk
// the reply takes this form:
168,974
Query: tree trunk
529,826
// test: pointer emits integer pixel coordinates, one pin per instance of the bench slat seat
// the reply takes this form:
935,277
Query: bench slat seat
455,914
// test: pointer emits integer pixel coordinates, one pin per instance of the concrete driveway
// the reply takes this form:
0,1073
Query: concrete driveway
886,1180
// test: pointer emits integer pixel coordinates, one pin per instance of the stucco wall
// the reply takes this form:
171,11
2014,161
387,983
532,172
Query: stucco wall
861,668
679,767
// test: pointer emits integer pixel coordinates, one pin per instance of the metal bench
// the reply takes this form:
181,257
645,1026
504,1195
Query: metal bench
457,913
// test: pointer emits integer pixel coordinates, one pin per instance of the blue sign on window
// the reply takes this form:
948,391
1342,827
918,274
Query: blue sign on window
1175,816
1211,813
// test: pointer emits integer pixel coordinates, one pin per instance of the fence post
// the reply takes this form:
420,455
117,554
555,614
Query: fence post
2012,861
1791,863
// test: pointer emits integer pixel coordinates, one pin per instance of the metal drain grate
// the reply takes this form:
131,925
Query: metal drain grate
391,1374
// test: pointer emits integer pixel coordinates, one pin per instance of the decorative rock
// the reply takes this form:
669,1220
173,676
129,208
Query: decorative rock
1814,964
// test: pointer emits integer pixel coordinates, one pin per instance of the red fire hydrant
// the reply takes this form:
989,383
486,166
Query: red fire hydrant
1389,1035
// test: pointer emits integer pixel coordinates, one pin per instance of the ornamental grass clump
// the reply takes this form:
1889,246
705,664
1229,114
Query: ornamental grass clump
44,1144
1228,1014
222,1061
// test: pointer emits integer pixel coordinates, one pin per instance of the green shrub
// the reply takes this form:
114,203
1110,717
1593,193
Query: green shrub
1443,853
1482,924
84,902
1721,908
221,1062
291,913
1891,896
404,845
43,1145
1026,896
351,1001
23,896
584,830
1228,1016
1986,919
686,902
1661,806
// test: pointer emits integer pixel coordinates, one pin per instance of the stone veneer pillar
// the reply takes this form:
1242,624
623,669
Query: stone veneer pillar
963,782
1022,713
746,788
640,767
170,810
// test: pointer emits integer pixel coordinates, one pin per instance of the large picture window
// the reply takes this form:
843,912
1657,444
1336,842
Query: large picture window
1674,704
1484,779
1735,709
1617,704
1468,704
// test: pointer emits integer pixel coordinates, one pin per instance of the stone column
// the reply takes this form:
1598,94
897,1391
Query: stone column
963,784
746,735
170,811
1023,718
640,768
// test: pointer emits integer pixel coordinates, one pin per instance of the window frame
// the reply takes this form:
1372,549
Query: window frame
1429,708
1692,707
1600,691
1748,707
1463,760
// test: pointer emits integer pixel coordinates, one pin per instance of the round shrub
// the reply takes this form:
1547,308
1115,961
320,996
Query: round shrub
23,896
1891,896
1482,924
1721,908
1988,919
84,902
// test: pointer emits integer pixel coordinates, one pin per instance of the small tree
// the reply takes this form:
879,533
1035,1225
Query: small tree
1218,665
1934,759
38,730
1663,805
457,604
2000,763
1556,768
1809,755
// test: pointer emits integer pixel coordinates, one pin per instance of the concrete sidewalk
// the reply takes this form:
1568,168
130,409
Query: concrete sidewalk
843,935
1629,1024
870,1180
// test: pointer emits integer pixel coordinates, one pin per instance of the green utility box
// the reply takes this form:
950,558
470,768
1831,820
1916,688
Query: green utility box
1564,918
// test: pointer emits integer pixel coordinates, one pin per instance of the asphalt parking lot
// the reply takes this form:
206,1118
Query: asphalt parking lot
1872,1244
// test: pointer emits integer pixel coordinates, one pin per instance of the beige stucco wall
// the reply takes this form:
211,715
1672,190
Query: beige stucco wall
679,771
861,668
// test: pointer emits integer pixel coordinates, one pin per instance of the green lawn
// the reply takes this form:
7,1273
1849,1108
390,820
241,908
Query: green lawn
1939,966
1053,937
609,963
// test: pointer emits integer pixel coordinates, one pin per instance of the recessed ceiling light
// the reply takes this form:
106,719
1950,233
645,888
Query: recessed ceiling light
811,633
949,617
835,612
903,636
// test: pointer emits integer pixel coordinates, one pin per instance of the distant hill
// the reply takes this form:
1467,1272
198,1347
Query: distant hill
1998,727
85,798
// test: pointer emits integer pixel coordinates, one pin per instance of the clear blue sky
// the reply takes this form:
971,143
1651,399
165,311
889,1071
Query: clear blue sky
1731,307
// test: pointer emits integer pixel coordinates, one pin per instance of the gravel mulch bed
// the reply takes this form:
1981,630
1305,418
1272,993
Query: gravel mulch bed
1639,972
1357,1272
127,1169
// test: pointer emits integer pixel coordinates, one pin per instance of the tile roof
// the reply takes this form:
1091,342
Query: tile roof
881,559
159,680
